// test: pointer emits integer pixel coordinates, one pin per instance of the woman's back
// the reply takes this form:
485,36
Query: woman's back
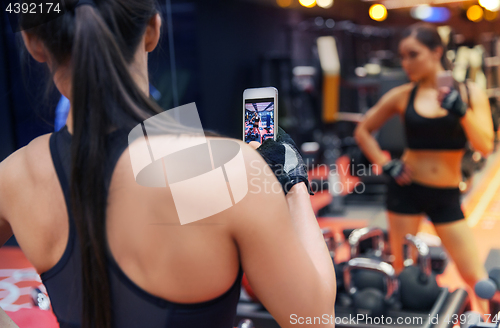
158,259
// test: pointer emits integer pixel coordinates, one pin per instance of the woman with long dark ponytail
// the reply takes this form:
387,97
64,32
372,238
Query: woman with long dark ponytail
112,253
438,124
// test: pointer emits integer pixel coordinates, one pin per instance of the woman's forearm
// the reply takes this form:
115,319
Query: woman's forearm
306,226
5,321
481,138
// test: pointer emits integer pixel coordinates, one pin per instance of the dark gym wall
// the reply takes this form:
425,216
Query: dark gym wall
7,142
26,81
232,37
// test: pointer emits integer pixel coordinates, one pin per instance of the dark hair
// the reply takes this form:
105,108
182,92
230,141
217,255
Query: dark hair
428,35
99,43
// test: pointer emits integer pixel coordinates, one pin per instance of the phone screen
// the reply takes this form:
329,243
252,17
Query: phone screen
445,79
259,119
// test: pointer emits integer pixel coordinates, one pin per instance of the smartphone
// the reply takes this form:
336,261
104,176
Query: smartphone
445,79
260,114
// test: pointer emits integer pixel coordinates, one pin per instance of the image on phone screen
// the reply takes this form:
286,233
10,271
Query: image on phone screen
259,119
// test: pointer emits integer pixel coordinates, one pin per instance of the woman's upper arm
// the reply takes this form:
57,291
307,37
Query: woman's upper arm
5,228
13,173
281,273
384,109
480,104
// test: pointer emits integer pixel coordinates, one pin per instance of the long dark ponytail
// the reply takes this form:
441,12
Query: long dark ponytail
99,43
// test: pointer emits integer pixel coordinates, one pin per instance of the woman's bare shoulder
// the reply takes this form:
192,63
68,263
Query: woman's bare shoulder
396,98
404,88
26,166
403,91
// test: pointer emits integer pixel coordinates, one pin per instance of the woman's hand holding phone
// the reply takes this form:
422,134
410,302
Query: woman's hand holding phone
285,160
442,93
452,102
448,96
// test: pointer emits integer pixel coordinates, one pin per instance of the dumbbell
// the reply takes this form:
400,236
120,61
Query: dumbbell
371,301
489,289
246,323
365,278
418,286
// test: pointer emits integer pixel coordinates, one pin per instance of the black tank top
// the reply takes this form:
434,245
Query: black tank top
441,133
132,306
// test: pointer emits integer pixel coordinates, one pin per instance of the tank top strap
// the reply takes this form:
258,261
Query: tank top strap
61,159
412,95
57,145
410,108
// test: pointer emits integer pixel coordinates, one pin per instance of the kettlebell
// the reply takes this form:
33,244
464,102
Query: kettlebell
418,286
366,278
370,301
357,236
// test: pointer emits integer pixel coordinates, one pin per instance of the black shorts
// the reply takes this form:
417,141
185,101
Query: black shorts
442,205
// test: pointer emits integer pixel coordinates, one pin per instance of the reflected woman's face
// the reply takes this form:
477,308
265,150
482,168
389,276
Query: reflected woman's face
417,59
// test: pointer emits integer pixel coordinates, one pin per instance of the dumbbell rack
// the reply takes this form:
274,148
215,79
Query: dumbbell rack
447,304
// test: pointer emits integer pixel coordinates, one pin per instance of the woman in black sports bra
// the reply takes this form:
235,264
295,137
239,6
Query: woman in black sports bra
112,252
438,124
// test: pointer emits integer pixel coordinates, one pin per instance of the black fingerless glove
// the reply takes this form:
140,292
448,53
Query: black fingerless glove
454,103
394,168
285,160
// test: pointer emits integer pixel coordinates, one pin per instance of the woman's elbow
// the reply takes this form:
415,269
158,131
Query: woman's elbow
486,147
359,134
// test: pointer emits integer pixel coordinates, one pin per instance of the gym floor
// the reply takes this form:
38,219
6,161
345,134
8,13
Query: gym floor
481,206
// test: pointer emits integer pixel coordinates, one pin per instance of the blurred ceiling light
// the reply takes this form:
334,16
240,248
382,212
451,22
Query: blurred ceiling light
490,15
378,12
491,5
438,15
360,71
308,3
475,13
284,3
396,4
325,3
421,12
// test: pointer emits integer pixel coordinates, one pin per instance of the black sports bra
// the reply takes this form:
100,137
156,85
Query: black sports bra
440,133
132,306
